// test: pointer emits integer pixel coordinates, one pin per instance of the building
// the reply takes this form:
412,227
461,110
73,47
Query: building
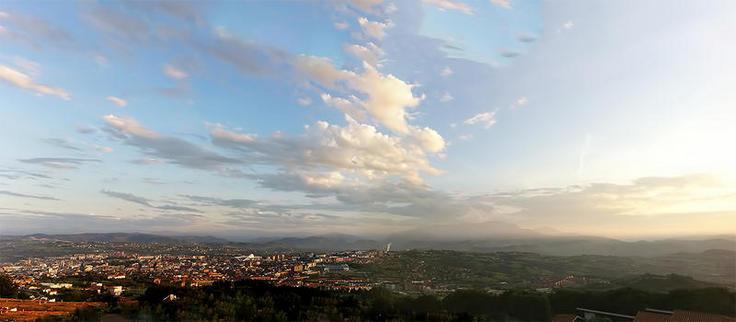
115,290
335,267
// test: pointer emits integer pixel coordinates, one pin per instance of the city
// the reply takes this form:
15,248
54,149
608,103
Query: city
83,272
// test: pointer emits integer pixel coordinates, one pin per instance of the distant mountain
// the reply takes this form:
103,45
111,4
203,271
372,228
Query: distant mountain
488,237
126,237
569,246
490,230
328,243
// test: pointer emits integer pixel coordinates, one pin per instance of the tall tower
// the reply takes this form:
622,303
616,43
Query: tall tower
388,247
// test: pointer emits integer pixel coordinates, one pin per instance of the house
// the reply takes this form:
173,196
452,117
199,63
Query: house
116,290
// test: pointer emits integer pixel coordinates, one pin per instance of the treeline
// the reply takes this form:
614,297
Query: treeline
256,301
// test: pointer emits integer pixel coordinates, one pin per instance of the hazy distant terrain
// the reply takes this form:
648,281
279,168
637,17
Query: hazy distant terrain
557,246
488,263
514,269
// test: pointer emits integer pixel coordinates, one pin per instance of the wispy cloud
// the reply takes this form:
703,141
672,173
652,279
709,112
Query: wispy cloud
175,73
117,101
451,5
59,163
21,80
22,195
506,4
62,143
487,119
147,202
171,149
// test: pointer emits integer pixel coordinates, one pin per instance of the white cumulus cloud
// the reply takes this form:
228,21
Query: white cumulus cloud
374,29
370,53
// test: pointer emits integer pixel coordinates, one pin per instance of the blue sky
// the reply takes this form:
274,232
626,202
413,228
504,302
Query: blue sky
247,119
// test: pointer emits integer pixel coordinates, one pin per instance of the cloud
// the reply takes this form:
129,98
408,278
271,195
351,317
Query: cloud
34,31
246,56
101,60
510,53
450,5
147,202
118,24
219,132
21,195
568,24
27,65
370,53
14,174
367,6
85,129
59,163
342,25
446,97
174,72
249,212
147,161
35,221
304,101
355,147
128,197
527,38
486,119
351,106
129,126
321,71
62,143
212,201
465,137
171,149
428,139
374,29
506,4
117,101
662,204
104,149
180,90
447,71
387,97
403,199
21,80
521,101
186,11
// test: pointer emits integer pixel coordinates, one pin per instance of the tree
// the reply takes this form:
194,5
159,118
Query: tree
7,287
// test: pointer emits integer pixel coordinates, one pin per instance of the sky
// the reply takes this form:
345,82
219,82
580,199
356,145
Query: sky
248,119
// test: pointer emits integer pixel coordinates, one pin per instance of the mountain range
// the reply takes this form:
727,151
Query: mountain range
547,245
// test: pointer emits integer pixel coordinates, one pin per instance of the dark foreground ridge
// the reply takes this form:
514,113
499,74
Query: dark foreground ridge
259,301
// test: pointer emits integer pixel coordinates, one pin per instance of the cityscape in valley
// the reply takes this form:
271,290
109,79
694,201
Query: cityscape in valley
122,271
368,160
